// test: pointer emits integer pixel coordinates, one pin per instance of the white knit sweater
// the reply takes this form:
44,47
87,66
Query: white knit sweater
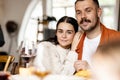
54,58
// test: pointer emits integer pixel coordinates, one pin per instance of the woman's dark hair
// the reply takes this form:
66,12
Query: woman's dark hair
69,20
95,1
66,19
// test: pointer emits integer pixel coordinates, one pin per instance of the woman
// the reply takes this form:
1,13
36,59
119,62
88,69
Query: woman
55,55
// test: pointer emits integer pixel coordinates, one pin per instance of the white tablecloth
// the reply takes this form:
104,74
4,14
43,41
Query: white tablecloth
48,77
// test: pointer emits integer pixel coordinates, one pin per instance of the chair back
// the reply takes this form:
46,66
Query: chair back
7,59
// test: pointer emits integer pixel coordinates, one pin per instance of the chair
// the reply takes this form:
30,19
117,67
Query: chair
7,59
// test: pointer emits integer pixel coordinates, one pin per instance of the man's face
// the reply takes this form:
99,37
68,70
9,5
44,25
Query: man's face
87,14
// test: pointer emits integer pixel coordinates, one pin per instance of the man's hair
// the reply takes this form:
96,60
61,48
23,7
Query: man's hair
95,1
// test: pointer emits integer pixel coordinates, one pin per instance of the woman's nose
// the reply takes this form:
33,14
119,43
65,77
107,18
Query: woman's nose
64,35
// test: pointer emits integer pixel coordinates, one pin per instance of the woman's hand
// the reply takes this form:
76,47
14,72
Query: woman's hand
76,40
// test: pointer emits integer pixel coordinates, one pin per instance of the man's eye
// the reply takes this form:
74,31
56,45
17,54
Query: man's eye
78,12
88,10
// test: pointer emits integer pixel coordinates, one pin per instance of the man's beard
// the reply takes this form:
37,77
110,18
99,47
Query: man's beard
89,21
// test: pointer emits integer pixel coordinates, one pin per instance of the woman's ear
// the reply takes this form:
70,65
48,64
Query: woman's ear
56,33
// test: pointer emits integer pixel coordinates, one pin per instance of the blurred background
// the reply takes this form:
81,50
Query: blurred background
35,20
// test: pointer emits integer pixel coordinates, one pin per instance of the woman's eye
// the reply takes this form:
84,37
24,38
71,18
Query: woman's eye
59,31
69,32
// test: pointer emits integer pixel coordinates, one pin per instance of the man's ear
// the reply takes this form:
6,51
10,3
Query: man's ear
99,12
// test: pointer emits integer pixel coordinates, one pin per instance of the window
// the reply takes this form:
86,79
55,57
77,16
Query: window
108,15
66,7
62,8
29,26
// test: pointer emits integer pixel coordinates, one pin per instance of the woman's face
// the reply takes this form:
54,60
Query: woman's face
65,34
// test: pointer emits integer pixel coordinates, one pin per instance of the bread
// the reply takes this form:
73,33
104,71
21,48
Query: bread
83,73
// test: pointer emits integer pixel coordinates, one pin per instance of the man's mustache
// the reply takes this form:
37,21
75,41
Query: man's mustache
84,20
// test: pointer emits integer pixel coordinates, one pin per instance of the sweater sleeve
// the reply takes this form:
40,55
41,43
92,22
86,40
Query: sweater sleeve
67,68
43,58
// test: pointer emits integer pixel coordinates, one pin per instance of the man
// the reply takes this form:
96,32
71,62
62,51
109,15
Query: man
93,33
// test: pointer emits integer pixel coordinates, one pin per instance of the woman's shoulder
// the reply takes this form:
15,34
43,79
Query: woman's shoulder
46,43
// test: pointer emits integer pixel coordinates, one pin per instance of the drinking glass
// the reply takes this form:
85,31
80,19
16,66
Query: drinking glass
4,75
27,53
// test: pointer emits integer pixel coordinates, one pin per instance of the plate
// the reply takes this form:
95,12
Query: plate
48,77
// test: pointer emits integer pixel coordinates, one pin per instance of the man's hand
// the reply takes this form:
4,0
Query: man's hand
81,65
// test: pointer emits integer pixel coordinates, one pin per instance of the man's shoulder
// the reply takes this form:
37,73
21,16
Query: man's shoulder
113,34
112,31
108,30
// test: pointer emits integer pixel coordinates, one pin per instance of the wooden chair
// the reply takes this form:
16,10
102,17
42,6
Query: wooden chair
8,59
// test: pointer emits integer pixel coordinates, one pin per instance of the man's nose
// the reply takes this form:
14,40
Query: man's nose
83,15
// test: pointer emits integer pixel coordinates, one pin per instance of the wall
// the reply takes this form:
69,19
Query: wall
11,10
119,16
1,10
